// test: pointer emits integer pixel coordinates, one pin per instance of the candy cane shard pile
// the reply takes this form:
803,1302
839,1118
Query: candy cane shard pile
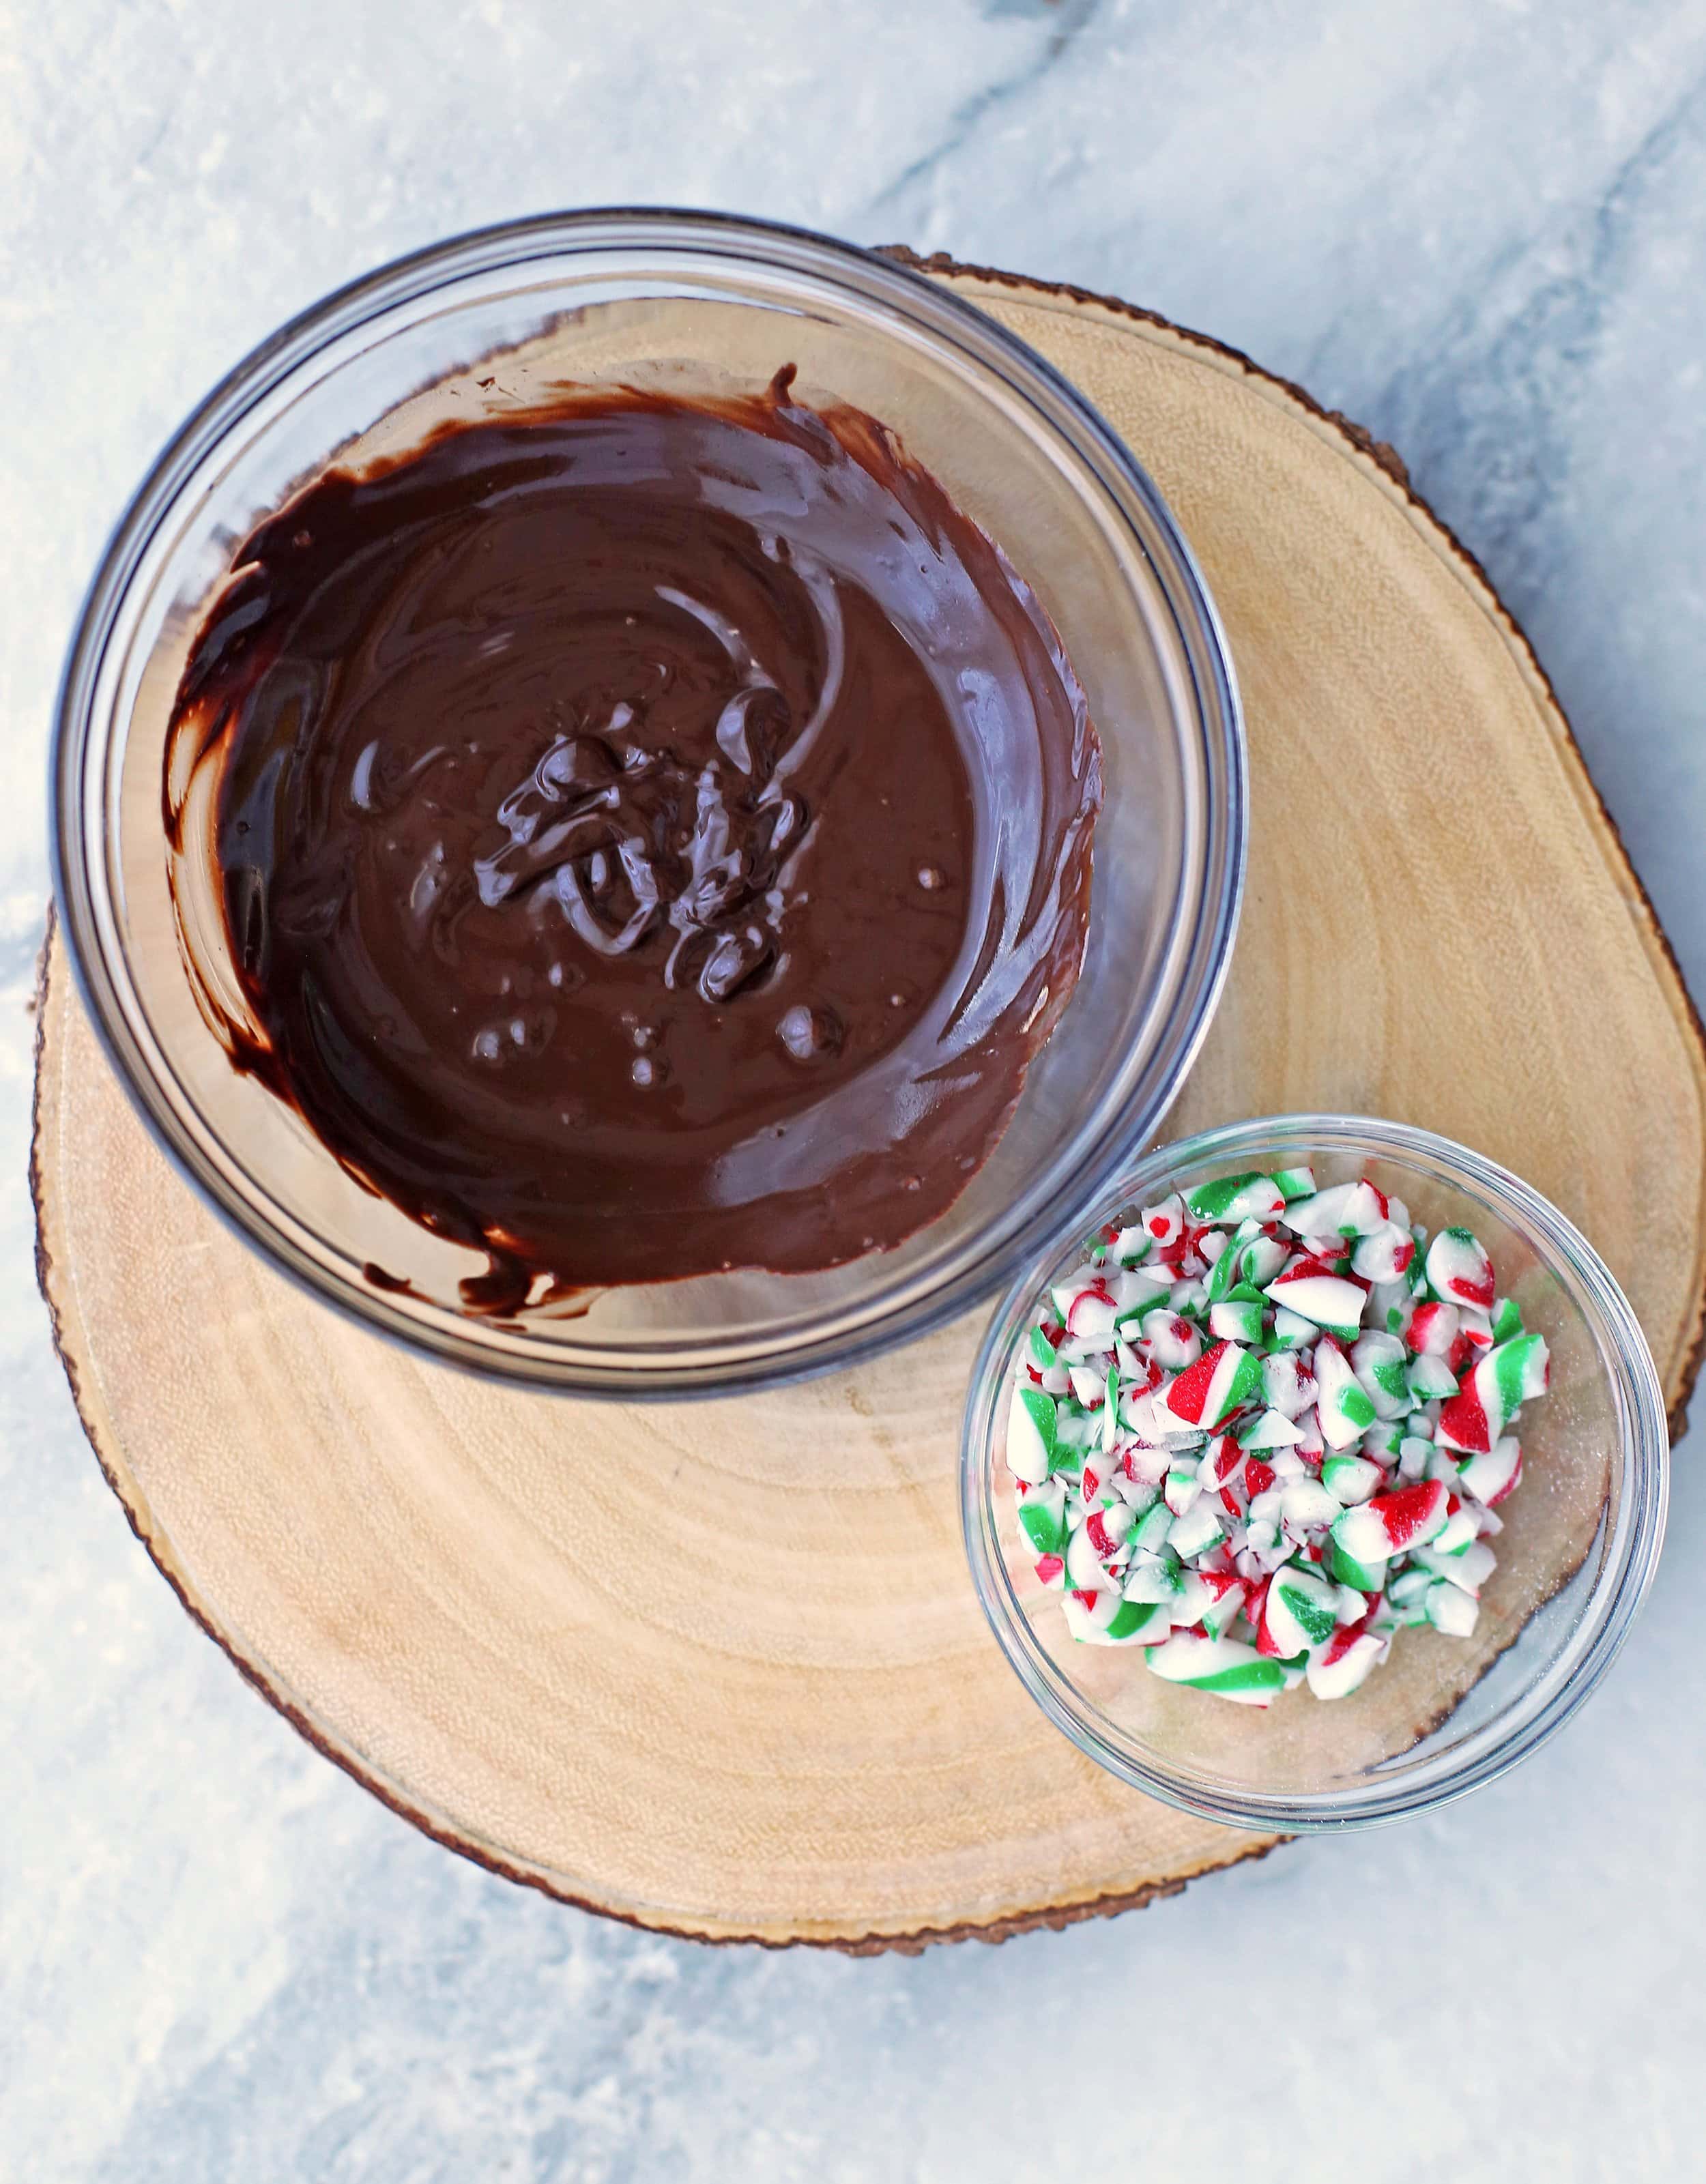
1264,1427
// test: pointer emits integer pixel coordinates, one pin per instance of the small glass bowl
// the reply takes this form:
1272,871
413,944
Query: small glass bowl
484,324
1442,1715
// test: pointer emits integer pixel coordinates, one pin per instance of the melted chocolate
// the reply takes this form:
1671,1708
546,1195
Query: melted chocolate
653,835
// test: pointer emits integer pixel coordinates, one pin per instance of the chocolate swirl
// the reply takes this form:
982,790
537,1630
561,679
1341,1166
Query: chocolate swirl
653,835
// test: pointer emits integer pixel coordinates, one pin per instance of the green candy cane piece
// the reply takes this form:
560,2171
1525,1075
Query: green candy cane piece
1133,1617
1214,1201
1363,1576
1033,1436
1042,1513
1260,1675
1222,1278
1309,1604
1150,1532
1221,1665
1236,1319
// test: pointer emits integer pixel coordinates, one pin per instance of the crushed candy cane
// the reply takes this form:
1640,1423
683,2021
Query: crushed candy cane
1264,1427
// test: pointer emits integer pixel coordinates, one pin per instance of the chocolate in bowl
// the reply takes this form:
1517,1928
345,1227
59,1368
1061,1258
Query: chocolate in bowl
653,834
477,331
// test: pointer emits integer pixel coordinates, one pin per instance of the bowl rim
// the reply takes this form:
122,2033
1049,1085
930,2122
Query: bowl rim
1547,1701
878,281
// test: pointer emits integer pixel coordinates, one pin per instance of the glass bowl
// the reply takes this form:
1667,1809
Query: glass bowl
1442,1715
487,323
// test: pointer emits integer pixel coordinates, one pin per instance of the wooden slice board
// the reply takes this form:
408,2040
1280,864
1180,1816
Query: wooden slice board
718,1668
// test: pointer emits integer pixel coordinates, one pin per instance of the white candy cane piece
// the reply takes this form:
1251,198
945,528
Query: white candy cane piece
1299,1614
1429,1379
1221,1665
1261,1260
1415,1458
1096,1467
1137,1416
1351,1479
1451,1610
1391,1523
1342,1668
1083,1565
1343,1406
1378,1360
1180,1489
1149,1534
1468,1570
1221,1381
1088,1382
1237,1319
1152,1578
1031,1436
1325,1300
1343,1209
1490,1475
1489,1396
1173,1343
1202,1590
1384,1255
1318,1214
1234,1198
1459,1271
1219,1616
1223,1274
1474,1328
1145,1464
1133,1492
1459,1527
1291,1331
1136,1288
1129,1622
1306,1505
1130,1245
1090,1317
1287,1385
1090,1624
1042,1516
1164,1224
1222,1460
1389,1306
1268,1430
1432,1329
1312,1444
1198,1529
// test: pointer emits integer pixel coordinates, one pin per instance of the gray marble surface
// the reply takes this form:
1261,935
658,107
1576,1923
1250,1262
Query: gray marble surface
1474,225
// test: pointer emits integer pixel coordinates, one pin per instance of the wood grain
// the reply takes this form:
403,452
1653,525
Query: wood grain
717,1669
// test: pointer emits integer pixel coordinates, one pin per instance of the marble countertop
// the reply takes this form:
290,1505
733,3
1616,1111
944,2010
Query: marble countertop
1475,225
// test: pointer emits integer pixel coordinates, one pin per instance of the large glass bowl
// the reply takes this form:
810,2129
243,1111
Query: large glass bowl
487,322
1443,1715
